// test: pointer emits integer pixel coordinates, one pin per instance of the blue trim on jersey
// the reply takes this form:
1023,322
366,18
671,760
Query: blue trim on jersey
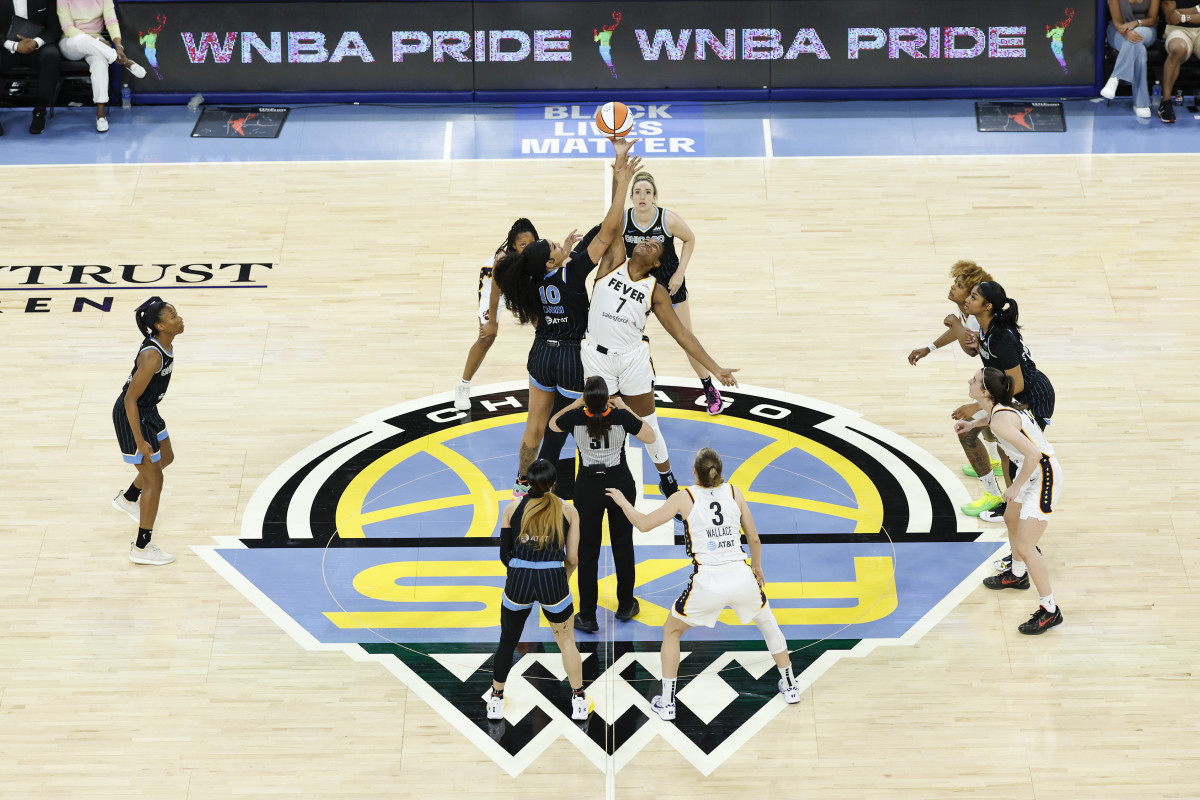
540,386
561,605
523,564
511,606
568,393
162,435
137,459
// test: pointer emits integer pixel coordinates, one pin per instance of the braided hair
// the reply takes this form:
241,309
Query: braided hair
509,245
148,313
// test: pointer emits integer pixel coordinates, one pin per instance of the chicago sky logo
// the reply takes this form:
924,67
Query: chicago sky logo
380,541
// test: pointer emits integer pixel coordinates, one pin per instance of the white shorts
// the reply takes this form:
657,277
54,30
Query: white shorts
1039,495
713,588
629,373
485,300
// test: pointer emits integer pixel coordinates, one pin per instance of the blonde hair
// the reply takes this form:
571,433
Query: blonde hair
969,272
542,519
643,176
708,468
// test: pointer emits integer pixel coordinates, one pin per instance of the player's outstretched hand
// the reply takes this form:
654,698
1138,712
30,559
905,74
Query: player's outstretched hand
725,376
617,497
623,146
570,240
917,355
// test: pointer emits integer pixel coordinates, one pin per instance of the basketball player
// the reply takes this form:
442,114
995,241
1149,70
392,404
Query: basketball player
647,221
617,349
983,460
141,432
521,233
599,431
1031,497
715,514
1001,346
540,558
546,284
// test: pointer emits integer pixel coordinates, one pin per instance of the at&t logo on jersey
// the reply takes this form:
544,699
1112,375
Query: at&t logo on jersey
381,541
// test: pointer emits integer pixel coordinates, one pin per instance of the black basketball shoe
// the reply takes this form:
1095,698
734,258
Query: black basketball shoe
1166,112
1041,621
1006,580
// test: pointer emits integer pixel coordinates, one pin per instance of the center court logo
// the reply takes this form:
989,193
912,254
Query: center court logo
380,541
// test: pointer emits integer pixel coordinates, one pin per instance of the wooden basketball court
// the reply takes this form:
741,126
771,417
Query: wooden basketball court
814,276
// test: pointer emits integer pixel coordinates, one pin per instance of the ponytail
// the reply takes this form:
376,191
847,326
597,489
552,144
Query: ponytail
1004,308
542,520
595,404
509,245
708,468
147,314
1000,386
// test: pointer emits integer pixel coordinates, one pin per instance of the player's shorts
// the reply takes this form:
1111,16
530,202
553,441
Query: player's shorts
543,582
554,366
1039,495
629,372
712,588
154,430
485,300
1190,37
663,274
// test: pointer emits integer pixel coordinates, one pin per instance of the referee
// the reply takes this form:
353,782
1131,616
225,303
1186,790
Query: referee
599,431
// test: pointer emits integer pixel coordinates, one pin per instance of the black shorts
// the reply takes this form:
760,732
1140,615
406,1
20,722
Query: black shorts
555,366
1038,394
154,430
663,274
547,587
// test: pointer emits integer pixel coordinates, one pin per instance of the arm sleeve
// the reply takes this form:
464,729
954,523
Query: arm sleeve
65,20
628,421
1006,349
506,544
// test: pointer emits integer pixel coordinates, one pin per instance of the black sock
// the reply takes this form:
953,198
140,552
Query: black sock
577,692
497,692
143,538
133,493
706,382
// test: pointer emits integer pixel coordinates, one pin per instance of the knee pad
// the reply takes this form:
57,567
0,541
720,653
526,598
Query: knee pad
657,450
766,622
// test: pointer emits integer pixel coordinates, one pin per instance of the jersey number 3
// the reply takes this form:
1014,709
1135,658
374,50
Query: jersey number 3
718,517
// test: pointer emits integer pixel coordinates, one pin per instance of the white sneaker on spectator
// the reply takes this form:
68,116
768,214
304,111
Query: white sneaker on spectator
151,556
131,507
138,71
462,397
102,124
791,694
1143,113
1110,89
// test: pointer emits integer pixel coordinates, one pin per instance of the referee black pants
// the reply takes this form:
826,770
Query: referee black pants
591,502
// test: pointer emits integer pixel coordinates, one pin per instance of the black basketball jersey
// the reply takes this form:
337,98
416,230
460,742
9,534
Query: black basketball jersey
635,234
524,547
157,388
564,295
1003,349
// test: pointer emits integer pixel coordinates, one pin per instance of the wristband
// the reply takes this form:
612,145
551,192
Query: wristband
931,347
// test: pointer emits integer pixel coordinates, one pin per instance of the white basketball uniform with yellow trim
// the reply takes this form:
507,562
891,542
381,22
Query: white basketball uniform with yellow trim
1040,493
615,347
720,575
485,291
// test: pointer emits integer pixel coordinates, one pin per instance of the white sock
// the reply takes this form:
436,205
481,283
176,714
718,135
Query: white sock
668,692
992,450
1018,568
989,483
464,382
786,673
1048,603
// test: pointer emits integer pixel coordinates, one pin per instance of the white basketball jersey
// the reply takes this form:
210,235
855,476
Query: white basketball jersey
970,323
713,529
1030,430
619,309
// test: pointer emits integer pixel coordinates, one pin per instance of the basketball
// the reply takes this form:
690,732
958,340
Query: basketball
614,120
